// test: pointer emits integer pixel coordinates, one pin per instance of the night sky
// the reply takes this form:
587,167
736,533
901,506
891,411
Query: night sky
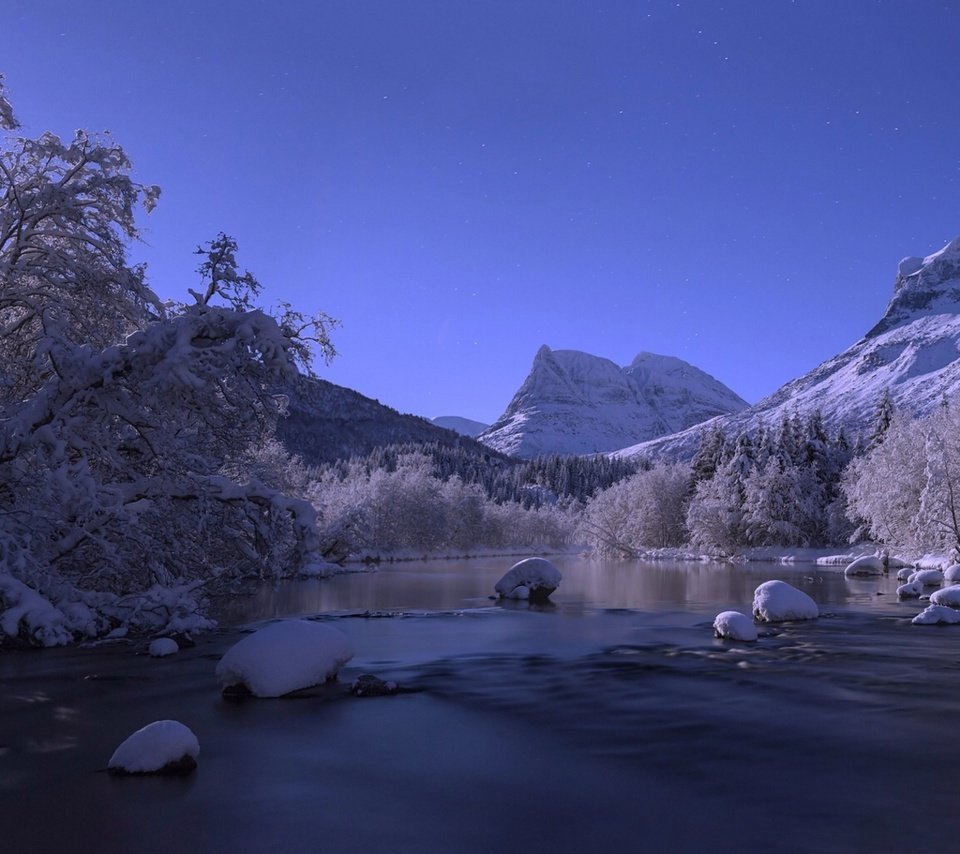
732,183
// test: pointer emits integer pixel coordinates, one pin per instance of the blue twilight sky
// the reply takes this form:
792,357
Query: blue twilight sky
729,182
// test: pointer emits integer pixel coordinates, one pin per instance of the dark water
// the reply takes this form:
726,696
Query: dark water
612,721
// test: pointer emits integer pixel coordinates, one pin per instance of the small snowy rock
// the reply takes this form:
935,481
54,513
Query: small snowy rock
163,747
949,596
777,601
162,647
934,615
533,578
284,657
734,626
928,577
866,565
905,573
952,574
910,590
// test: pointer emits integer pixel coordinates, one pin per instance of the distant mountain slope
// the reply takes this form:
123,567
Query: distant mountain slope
575,403
463,426
913,353
327,422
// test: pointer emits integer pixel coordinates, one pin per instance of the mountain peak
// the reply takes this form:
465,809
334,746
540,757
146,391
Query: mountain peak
575,403
923,286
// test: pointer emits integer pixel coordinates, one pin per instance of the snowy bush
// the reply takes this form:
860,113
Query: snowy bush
410,508
647,510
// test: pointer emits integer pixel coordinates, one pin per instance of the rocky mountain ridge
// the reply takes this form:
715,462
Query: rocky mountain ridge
576,403
912,354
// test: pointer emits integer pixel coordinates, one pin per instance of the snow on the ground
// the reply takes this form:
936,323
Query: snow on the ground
155,746
866,565
320,569
777,601
734,626
162,647
933,561
949,596
534,578
934,615
284,657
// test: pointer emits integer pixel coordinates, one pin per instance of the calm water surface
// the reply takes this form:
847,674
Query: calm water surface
610,721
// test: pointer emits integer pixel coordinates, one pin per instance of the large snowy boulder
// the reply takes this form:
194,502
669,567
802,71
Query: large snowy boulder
928,577
910,590
533,578
284,657
733,625
949,596
936,615
866,565
163,747
777,601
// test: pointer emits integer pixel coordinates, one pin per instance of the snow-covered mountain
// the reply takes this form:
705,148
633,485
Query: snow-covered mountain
913,354
463,426
575,403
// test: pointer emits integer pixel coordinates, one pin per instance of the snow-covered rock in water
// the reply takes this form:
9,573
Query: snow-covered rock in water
866,565
163,747
777,601
952,574
905,573
284,657
734,626
162,647
927,577
949,596
934,615
575,403
910,590
533,578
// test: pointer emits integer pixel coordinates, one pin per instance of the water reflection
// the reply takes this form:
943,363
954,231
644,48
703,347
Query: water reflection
445,585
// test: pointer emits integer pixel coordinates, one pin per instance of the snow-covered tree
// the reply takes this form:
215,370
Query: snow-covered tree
120,417
884,486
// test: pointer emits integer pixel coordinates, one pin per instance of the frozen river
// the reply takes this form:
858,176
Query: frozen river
610,721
